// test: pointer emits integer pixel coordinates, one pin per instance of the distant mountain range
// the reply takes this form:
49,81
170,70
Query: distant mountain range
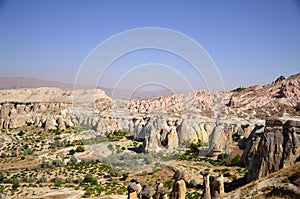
32,82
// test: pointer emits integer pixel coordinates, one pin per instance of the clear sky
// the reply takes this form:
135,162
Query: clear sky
251,42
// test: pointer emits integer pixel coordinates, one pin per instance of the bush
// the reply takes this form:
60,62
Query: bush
43,179
3,155
89,178
116,135
57,181
28,151
238,89
68,180
78,180
21,133
228,159
148,159
55,144
15,183
57,163
169,184
72,152
193,195
113,172
46,164
124,176
80,149
224,159
236,160
192,184
14,153
88,192
72,161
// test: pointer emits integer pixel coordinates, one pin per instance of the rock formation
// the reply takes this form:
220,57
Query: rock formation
179,188
206,187
271,148
147,192
162,192
132,191
158,185
138,187
217,190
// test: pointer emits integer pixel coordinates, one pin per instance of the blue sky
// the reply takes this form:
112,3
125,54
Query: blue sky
251,42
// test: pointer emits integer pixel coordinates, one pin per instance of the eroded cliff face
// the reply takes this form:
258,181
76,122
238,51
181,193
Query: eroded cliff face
158,131
162,123
273,147
51,108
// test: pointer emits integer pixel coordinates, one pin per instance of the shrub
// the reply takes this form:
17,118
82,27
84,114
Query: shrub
72,152
78,180
124,176
72,161
88,192
80,149
89,178
192,184
148,159
45,164
57,163
43,179
169,184
28,151
110,147
238,89
57,181
21,133
236,160
68,180
3,155
113,172
14,153
55,144
15,183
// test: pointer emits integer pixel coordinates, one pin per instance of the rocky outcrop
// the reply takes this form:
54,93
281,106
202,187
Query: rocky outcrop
188,102
253,102
271,148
